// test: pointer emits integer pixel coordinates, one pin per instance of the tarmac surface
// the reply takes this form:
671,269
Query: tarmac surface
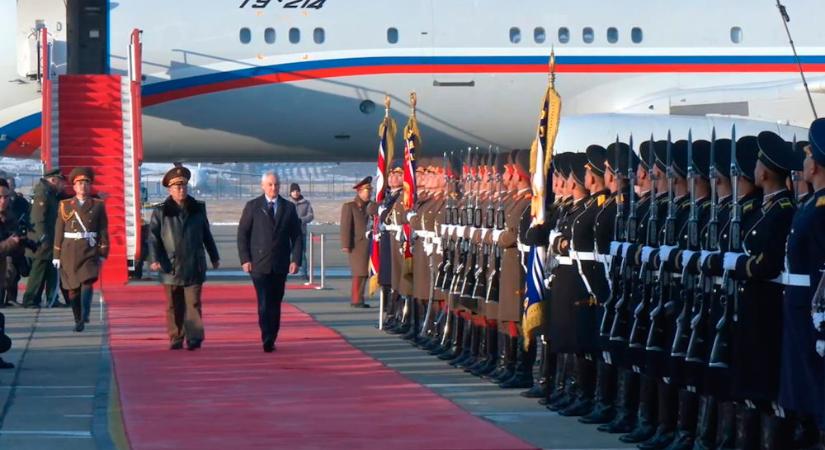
61,393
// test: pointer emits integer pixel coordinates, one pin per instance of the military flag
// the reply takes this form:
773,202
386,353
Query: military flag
541,156
386,148
412,141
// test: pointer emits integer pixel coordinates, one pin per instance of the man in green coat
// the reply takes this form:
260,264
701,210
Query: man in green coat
43,217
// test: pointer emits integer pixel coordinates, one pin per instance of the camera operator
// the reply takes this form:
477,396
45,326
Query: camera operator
11,244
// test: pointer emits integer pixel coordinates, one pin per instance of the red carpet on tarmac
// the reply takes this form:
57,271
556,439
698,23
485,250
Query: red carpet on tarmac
315,392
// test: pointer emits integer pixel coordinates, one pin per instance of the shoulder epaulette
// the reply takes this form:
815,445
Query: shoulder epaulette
820,202
63,214
785,203
601,199
747,206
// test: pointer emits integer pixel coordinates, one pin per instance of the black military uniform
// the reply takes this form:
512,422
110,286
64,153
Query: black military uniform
801,385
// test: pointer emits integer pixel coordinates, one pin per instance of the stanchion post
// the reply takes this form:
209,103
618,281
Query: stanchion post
381,308
323,262
311,257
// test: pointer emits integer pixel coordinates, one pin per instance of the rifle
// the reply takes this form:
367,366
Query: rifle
446,256
697,346
464,219
682,337
470,273
641,322
493,283
620,331
480,287
619,234
720,352
658,333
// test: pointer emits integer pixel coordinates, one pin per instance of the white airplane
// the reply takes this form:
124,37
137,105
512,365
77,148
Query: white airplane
303,80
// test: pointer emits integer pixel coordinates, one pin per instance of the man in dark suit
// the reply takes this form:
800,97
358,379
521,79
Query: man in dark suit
269,245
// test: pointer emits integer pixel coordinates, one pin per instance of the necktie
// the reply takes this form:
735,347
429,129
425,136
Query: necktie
272,210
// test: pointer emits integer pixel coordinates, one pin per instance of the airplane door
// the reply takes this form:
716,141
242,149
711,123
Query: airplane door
87,23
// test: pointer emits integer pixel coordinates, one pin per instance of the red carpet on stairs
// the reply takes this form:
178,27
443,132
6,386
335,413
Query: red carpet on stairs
315,392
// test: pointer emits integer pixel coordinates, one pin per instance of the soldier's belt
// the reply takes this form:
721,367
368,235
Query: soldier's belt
523,248
717,281
604,258
564,260
395,228
793,279
90,234
583,256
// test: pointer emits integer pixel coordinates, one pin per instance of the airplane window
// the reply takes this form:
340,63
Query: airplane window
392,35
269,35
612,35
564,35
636,35
245,35
319,35
539,35
294,35
736,35
587,35
515,35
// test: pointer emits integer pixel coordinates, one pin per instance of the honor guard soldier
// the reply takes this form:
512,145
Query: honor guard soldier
803,344
757,335
355,240
81,243
178,235
389,261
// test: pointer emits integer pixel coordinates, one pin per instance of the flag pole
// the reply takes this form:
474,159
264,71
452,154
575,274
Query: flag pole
382,294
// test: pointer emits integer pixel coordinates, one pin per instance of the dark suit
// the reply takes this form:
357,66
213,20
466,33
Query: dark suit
270,244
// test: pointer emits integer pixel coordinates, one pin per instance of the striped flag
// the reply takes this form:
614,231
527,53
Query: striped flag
541,156
411,144
386,148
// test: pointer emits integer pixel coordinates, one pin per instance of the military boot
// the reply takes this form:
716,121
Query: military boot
747,427
456,345
466,338
726,428
805,433
646,417
415,321
686,422
472,351
559,381
603,409
523,375
706,425
507,359
541,388
627,403
668,401
776,433
586,382
491,362
481,357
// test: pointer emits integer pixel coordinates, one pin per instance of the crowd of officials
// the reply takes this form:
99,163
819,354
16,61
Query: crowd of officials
682,302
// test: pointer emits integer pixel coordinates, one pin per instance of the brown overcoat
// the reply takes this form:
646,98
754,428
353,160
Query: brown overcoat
354,222
511,285
80,257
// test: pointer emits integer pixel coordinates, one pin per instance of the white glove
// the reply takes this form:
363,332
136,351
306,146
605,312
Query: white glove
484,232
56,263
704,256
729,262
497,234
428,249
625,248
818,318
665,251
459,230
686,255
820,348
646,252
410,215
615,246
443,229
553,235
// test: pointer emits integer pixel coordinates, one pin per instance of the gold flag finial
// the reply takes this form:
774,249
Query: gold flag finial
552,66
413,101
387,105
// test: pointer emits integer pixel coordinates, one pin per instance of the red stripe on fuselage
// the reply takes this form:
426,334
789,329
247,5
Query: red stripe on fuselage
25,145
